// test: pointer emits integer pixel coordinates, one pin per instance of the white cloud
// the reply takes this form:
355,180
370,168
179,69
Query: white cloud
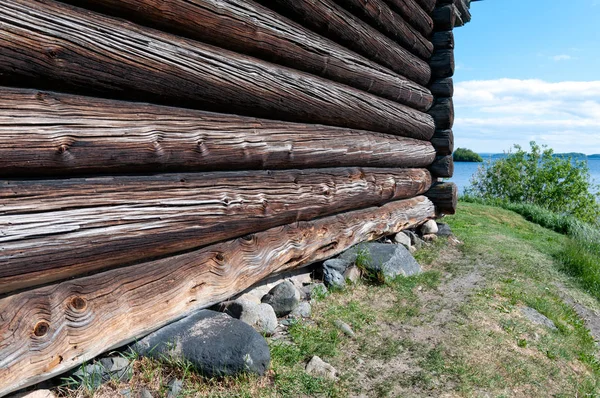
562,57
492,115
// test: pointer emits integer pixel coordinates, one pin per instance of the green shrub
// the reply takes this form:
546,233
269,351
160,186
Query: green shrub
559,184
466,155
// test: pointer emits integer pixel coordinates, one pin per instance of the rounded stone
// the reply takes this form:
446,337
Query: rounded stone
283,298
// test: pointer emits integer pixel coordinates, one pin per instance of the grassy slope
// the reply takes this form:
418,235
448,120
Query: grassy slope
455,330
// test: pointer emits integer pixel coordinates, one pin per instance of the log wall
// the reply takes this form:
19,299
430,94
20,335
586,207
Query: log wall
172,154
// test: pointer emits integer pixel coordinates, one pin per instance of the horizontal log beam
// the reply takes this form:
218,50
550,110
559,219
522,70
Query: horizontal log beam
442,64
442,166
330,20
445,197
84,317
248,28
442,87
87,51
379,15
442,112
53,229
414,14
443,142
44,133
427,5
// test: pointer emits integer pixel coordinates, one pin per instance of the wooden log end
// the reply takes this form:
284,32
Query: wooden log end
442,87
442,112
443,142
442,64
442,166
444,197
444,17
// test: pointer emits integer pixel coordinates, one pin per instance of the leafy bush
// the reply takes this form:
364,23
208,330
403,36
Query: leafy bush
466,155
559,184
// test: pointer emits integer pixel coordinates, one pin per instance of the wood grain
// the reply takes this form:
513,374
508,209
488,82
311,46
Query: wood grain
444,196
90,315
414,14
52,229
379,15
428,5
86,51
45,133
330,20
248,28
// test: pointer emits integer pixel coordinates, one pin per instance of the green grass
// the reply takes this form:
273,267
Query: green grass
579,256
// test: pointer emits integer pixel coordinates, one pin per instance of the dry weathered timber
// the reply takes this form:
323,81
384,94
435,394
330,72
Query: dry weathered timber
379,15
442,166
442,87
427,5
442,112
52,229
443,40
85,51
332,21
43,133
442,64
49,330
414,14
444,196
444,17
249,28
443,142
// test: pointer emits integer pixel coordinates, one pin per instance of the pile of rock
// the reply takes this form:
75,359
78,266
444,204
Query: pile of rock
230,338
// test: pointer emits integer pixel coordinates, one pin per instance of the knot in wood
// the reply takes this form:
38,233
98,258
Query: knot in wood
78,304
41,328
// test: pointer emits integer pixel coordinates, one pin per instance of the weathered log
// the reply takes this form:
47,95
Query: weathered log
444,196
249,28
443,40
45,133
84,51
442,166
46,331
442,87
444,17
414,14
442,112
332,21
442,64
52,229
443,142
379,15
427,5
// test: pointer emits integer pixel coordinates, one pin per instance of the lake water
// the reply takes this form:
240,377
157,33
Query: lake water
464,170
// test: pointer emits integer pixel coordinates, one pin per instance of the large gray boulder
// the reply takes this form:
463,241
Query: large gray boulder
283,298
443,229
389,259
215,343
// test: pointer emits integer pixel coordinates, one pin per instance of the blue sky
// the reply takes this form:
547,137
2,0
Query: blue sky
529,70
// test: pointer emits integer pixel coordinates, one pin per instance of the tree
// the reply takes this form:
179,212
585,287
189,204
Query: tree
559,184
466,155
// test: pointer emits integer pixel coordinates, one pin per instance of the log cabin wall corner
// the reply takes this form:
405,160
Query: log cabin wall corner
174,153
